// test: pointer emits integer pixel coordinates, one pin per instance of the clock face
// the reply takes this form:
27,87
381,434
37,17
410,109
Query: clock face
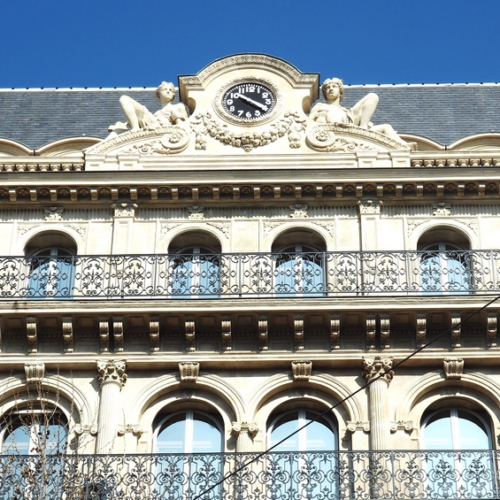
249,101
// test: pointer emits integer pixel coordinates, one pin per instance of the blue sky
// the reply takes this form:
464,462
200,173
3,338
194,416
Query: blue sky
99,43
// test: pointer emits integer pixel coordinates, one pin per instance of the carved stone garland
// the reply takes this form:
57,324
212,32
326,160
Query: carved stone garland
292,125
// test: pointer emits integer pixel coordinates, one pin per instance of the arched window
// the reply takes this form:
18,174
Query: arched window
305,465
445,265
299,268
51,261
195,266
461,463
190,443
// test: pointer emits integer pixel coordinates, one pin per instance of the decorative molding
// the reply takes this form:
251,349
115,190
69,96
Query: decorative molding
189,371
421,328
31,334
385,330
154,334
353,427
166,227
329,226
118,333
441,209
298,329
378,368
299,211
226,332
112,372
491,329
80,429
368,207
223,227
407,427
413,224
263,332
104,333
455,329
190,332
124,209
270,226
301,370
195,212
81,229
334,331
453,368
173,140
472,225
34,373
67,331
203,125
53,213
136,430
371,330
22,229
238,428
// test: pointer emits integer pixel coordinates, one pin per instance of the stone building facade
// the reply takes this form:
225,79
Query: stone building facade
213,276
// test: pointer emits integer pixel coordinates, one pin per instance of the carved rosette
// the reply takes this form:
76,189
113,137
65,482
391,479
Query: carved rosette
378,368
112,371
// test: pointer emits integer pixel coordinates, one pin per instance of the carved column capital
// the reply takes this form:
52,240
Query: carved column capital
112,371
378,367
244,428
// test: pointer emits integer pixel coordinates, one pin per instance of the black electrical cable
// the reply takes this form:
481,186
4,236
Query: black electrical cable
328,410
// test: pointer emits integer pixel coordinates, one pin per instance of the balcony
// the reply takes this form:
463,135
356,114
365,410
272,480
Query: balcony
245,275
415,475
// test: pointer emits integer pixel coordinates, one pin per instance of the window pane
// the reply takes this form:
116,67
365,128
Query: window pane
437,434
206,437
171,439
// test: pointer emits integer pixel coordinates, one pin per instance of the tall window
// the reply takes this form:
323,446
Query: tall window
461,463
304,465
51,262
190,443
299,264
445,266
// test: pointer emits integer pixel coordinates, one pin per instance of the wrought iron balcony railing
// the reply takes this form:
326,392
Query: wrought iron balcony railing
301,274
402,475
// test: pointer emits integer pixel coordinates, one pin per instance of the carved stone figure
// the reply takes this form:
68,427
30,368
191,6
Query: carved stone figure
360,114
138,116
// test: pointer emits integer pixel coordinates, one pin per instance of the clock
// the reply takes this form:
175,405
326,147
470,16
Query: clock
248,101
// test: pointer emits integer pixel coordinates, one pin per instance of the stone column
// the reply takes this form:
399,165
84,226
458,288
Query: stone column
244,433
112,378
378,374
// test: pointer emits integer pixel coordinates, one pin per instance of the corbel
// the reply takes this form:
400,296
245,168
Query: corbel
94,194
12,194
301,371
453,368
440,189
334,331
73,194
154,333
114,194
298,192
34,373
216,193
399,190
133,193
118,333
277,191
53,194
31,334
380,190
491,329
298,329
455,329
67,331
385,330
359,190
154,193
175,193
33,194
461,189
319,191
189,326
256,192
236,192
421,328
226,333
481,188
189,371
0,336
420,190
104,333
339,191
371,330
263,332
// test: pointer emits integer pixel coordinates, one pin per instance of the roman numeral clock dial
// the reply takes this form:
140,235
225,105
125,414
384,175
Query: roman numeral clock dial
249,102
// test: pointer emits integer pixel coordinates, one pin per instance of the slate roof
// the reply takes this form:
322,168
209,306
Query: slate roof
443,113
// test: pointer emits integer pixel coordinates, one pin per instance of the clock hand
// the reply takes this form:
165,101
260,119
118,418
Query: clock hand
255,103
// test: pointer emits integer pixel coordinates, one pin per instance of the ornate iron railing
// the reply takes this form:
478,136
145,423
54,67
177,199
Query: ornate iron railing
401,475
304,274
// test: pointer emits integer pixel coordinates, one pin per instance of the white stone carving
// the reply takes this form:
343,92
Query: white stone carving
34,372
453,368
329,226
112,371
53,213
299,211
174,140
165,228
138,116
124,209
292,125
369,207
269,226
378,368
189,371
301,370
441,209
359,115
412,225
195,212
223,227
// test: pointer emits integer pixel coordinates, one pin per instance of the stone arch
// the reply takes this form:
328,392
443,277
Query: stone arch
13,148
319,235
39,231
68,147
197,228
452,226
477,142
